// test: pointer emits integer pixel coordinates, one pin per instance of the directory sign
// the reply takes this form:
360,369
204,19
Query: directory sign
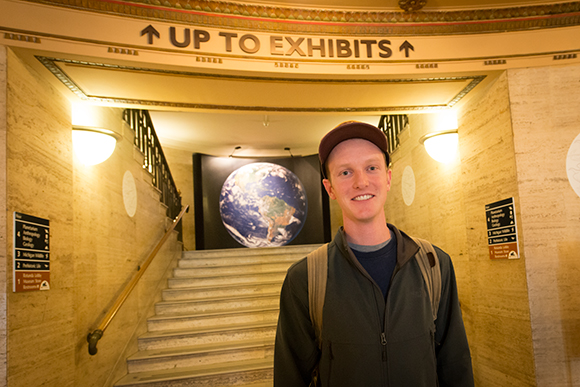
502,231
31,253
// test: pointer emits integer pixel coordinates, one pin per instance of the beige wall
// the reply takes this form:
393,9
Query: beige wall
499,310
522,316
39,182
545,105
449,210
96,247
181,165
2,216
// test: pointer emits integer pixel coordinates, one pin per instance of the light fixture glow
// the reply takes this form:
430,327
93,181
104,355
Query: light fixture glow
446,120
93,146
441,146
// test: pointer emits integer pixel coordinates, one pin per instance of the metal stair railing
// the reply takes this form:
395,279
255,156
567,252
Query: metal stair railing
154,160
94,337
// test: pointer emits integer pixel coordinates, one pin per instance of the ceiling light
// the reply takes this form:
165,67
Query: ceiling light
93,145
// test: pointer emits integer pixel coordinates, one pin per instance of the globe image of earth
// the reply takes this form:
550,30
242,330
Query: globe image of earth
263,205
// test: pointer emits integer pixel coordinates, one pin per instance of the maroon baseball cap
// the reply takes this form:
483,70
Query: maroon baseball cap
349,130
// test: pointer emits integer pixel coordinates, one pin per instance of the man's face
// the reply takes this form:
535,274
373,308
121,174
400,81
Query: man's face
358,179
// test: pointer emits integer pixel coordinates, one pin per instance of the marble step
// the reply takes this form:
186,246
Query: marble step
249,268
200,355
205,335
253,372
217,304
219,318
219,279
200,262
195,293
248,255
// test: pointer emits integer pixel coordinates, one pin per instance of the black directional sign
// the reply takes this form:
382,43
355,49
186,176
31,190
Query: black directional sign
502,235
31,253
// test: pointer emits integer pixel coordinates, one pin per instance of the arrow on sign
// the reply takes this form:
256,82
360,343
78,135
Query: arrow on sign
406,46
150,31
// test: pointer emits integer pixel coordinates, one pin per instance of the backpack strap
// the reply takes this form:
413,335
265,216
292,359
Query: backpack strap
429,265
317,262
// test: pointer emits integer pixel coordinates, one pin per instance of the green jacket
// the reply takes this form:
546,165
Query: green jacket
365,341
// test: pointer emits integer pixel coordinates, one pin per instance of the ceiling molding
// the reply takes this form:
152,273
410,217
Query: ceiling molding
270,18
52,65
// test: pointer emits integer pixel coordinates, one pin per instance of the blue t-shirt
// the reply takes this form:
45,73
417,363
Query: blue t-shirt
379,261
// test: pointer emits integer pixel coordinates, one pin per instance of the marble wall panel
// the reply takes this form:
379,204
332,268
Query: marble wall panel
96,247
449,210
503,344
110,246
181,166
436,212
39,180
546,119
3,213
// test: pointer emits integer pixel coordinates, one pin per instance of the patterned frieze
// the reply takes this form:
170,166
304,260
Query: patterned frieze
273,18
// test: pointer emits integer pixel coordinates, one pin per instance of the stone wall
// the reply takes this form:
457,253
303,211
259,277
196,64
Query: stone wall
499,310
181,166
545,105
96,247
3,213
448,208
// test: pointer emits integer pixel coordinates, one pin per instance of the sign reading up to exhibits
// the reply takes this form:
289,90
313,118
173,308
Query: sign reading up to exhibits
31,253
502,231
275,46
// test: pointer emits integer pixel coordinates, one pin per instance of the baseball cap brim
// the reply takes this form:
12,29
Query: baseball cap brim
347,131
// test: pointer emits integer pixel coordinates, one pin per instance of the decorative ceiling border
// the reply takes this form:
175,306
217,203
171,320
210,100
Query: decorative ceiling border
51,65
270,18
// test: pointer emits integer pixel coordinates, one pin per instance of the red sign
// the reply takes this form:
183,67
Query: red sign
35,280
505,251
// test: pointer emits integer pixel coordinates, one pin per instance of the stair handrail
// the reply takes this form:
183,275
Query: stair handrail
94,337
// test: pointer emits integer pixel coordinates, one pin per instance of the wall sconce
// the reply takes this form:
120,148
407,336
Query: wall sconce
93,145
442,144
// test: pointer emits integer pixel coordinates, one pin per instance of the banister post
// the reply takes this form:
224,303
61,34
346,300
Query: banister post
93,339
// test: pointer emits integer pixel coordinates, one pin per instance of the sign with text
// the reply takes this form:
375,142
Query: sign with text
502,232
31,253
274,46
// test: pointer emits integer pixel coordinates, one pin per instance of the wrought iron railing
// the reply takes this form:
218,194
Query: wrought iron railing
392,125
154,160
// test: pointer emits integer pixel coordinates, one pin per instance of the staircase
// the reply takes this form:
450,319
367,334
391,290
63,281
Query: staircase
217,321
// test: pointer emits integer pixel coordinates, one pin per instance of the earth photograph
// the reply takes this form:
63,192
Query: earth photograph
263,205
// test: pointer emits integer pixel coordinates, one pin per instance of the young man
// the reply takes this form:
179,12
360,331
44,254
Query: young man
378,325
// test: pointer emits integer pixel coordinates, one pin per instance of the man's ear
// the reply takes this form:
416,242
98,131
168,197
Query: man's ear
328,188
388,179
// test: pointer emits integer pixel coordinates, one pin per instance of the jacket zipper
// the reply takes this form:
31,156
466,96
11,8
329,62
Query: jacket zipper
384,344
383,337
385,324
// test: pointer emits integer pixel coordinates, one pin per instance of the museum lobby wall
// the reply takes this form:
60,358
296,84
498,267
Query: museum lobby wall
96,247
522,316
